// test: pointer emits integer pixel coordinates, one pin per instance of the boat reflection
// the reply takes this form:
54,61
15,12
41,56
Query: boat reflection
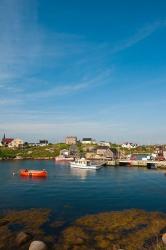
33,178
82,173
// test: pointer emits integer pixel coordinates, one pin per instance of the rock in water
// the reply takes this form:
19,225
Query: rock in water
3,222
22,237
164,238
38,245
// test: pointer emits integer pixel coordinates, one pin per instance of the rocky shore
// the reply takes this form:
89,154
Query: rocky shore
37,229
27,158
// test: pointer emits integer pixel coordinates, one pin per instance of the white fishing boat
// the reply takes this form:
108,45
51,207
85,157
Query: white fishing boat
85,164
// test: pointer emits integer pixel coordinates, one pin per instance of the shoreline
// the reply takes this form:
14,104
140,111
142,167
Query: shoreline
23,159
113,163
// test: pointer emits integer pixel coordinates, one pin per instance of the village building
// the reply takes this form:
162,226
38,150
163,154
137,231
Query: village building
141,157
88,141
64,152
43,143
5,141
117,154
104,151
16,143
70,140
74,151
103,143
89,148
33,144
129,145
90,155
160,152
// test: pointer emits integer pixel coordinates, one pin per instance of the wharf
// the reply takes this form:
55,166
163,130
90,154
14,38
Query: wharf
136,163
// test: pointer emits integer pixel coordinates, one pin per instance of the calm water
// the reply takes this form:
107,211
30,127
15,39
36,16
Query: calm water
75,192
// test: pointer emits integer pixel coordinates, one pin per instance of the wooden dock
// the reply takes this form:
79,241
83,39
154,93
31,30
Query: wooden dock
136,163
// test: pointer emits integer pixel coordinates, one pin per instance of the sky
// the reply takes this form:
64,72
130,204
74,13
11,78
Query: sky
86,68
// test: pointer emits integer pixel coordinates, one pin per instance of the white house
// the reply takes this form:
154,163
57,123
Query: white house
129,145
88,141
103,143
64,152
16,143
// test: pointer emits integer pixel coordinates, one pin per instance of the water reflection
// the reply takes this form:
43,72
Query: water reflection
82,173
33,178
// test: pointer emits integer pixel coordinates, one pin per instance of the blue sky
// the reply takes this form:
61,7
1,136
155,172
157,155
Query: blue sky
86,68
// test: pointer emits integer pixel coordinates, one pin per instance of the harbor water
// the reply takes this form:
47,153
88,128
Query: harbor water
72,193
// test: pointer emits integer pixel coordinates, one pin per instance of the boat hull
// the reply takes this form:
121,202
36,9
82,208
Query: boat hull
33,173
94,167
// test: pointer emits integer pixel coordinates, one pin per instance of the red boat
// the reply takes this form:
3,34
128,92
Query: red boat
33,173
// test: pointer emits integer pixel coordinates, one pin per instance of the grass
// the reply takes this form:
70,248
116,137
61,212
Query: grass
33,152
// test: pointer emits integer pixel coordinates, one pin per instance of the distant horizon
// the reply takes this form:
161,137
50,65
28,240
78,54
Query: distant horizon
79,67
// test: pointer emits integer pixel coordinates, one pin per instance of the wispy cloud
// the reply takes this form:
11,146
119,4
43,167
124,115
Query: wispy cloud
65,89
139,36
102,51
26,48
8,102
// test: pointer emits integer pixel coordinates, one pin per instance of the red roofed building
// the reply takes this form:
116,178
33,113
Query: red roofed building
5,141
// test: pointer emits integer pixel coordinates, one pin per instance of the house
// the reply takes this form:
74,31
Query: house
1,144
117,154
74,150
88,141
43,143
16,143
129,145
90,155
89,148
64,152
104,151
71,140
141,157
5,141
160,153
11,142
103,143
33,144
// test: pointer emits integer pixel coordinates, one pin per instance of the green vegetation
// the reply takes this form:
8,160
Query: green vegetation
33,152
53,150
6,153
